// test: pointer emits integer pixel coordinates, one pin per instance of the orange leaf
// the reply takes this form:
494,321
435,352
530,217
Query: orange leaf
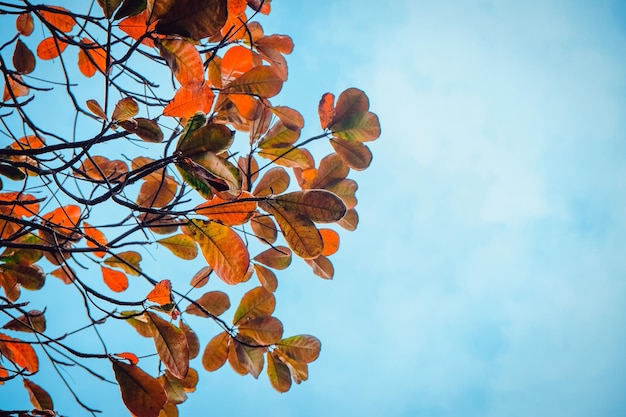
131,357
355,154
331,241
64,219
228,212
99,168
14,88
24,24
96,238
25,204
28,142
91,57
216,352
64,274
50,48
352,120
143,395
135,27
236,61
115,280
95,108
21,354
291,118
326,110
161,294
193,343
262,6
189,100
63,22
183,59
157,193
223,249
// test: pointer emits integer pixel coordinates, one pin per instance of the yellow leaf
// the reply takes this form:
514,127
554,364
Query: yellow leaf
181,245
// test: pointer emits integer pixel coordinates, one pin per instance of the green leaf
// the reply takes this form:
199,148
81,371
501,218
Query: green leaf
147,129
142,394
207,138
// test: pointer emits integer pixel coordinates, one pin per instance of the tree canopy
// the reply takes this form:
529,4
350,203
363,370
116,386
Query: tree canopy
132,125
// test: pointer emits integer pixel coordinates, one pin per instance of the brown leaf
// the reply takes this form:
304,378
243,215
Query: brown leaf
23,58
264,228
125,109
265,330
201,278
216,352
143,395
195,19
278,373
277,257
255,303
34,320
303,347
39,398
267,277
215,302
171,345
275,181
322,267
24,24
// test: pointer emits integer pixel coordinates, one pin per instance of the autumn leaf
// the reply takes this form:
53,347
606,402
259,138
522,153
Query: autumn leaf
355,154
274,181
95,239
250,358
192,343
24,24
148,130
99,168
195,19
322,267
127,261
352,120
278,373
142,394
23,58
304,347
130,357
188,100
161,294
259,81
96,109
264,228
125,109
135,26
109,6
21,354
255,303
200,137
59,17
50,48
223,249
33,321
267,277
229,212
277,257
181,245
201,278
115,280
264,330
183,59
171,345
216,352
326,110
331,241
14,88
39,398
215,302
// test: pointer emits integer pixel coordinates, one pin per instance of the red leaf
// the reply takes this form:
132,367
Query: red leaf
131,357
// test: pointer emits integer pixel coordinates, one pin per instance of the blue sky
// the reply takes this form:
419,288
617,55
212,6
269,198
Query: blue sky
487,276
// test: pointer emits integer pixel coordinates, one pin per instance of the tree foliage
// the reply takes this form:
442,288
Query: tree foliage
132,124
